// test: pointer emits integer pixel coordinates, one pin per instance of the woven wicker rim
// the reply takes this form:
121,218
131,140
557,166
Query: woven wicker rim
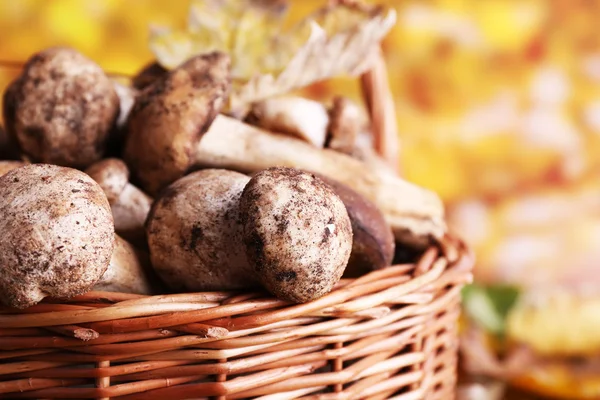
149,332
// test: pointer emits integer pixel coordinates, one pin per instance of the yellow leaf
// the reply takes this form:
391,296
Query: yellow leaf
268,60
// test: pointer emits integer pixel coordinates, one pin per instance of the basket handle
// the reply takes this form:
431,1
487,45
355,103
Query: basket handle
379,101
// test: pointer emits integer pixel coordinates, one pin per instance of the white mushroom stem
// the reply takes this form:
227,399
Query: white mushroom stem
129,205
127,271
130,211
415,214
292,115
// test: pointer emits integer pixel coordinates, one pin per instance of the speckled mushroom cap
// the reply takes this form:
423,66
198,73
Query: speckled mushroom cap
297,233
57,234
112,175
170,116
61,109
194,233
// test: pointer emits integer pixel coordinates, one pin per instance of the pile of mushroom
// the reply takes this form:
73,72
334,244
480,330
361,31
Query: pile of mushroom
102,186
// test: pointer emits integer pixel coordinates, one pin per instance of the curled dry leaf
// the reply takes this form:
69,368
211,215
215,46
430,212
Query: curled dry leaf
266,59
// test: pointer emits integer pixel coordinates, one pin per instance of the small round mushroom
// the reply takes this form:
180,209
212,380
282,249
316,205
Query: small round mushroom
170,116
130,206
57,234
373,242
194,233
61,109
129,271
9,165
297,233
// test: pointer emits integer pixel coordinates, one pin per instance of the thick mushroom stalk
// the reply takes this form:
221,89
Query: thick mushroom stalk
304,118
61,109
416,215
128,271
129,205
171,115
57,234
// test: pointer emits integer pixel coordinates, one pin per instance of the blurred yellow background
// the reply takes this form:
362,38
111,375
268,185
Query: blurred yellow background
497,104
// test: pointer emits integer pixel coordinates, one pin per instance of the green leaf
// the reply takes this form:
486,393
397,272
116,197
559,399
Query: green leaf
489,306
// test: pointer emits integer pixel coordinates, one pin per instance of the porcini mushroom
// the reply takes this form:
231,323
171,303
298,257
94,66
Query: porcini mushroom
194,233
172,114
61,109
128,271
130,206
297,233
57,234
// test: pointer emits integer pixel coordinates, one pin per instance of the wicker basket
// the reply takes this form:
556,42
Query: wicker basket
390,334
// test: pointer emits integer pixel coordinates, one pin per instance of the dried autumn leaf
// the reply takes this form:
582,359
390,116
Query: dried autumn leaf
268,61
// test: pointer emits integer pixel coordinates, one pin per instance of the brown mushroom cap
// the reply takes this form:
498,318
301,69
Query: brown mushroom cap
57,234
6,165
373,240
170,116
297,233
148,75
61,109
194,233
112,175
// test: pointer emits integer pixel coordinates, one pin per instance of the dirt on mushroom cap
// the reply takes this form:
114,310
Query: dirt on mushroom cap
297,233
58,234
61,109
170,116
